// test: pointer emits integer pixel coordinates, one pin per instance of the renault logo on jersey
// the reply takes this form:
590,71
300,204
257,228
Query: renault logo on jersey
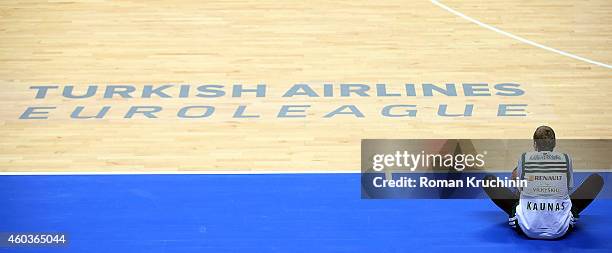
544,178
545,156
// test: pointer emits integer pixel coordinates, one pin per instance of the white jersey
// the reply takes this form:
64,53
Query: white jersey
544,206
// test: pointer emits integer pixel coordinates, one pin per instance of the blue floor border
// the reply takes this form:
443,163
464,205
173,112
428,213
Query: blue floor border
264,213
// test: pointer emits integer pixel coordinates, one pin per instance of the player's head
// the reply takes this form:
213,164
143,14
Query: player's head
544,139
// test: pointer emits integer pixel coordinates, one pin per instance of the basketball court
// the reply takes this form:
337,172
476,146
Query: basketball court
177,148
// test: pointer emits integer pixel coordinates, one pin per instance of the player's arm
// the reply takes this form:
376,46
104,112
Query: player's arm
518,171
570,174
515,175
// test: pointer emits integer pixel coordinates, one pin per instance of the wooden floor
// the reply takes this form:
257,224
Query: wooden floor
281,43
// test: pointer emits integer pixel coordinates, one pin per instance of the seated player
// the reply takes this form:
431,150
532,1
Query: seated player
547,208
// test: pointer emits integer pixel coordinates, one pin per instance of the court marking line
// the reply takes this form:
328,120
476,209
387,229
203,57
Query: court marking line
196,172
521,39
218,172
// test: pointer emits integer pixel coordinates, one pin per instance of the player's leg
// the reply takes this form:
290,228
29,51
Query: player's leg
586,193
503,197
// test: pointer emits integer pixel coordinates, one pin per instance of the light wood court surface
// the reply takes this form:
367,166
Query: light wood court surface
281,43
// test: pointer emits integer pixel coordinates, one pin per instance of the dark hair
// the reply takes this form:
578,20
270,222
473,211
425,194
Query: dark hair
544,138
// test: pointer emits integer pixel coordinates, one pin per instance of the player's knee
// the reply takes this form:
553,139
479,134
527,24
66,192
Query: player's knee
595,179
489,190
489,177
